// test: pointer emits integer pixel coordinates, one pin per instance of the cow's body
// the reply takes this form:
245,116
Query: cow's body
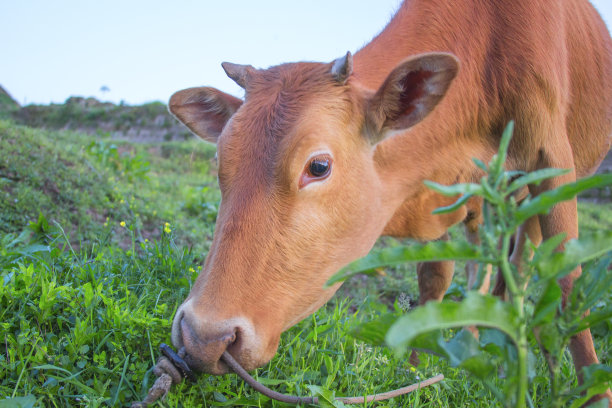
523,61
285,226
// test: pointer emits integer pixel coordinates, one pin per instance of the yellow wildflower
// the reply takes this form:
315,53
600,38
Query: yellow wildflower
122,223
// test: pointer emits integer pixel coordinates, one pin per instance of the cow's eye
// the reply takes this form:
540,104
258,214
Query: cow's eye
318,168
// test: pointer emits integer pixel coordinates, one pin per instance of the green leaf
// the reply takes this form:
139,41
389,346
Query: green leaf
455,189
474,310
450,208
548,199
41,225
535,177
595,317
464,351
597,378
480,164
603,403
494,342
373,332
551,338
589,290
490,193
547,305
219,397
547,248
53,367
21,239
597,374
577,251
589,246
32,249
29,401
431,251
497,163
326,397
461,347
503,147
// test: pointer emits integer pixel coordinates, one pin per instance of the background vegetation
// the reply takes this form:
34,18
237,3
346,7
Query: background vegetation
100,241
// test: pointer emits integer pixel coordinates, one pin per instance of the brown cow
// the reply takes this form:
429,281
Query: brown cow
323,158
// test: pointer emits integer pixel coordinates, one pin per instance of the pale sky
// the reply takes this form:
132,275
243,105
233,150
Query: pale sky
144,50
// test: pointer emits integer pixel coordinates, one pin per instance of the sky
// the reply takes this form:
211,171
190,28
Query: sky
145,50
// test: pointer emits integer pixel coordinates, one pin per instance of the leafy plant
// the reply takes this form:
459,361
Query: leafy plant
533,322
131,165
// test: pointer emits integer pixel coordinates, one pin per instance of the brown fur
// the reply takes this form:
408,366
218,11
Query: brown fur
408,113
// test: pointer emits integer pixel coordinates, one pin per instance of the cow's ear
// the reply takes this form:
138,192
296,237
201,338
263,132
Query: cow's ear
410,92
205,111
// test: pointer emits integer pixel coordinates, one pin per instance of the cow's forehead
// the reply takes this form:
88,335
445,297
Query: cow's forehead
277,101
277,97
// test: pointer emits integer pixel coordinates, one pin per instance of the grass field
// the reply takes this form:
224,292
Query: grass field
100,241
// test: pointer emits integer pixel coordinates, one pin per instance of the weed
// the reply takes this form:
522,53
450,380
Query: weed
533,321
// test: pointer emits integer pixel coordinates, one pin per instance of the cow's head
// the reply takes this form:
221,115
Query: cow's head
303,191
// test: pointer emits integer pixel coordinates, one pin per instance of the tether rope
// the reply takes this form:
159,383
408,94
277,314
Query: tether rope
171,368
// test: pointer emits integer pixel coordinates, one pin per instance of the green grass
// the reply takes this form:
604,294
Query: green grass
99,118
84,328
86,183
84,307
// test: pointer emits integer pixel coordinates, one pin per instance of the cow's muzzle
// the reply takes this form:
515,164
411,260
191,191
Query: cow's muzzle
204,351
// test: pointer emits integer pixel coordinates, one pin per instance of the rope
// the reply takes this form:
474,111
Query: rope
291,399
171,368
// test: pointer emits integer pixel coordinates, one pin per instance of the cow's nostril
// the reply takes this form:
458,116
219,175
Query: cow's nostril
204,349
229,338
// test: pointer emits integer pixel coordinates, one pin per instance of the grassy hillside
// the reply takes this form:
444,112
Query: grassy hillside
143,123
89,185
100,241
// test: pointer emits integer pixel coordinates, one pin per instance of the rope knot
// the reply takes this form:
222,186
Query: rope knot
168,370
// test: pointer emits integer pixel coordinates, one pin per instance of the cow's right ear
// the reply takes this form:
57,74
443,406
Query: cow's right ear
205,111
410,93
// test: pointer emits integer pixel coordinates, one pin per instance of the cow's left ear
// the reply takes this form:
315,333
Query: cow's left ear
205,111
410,92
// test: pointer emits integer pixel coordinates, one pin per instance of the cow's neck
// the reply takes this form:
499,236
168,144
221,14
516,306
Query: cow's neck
440,148
422,26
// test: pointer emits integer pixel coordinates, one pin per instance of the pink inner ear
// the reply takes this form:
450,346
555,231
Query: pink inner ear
412,89
210,113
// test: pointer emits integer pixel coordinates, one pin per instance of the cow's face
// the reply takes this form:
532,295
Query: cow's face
303,194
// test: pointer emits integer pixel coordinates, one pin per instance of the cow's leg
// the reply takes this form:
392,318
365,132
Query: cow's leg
434,278
563,218
472,225
471,268
531,231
